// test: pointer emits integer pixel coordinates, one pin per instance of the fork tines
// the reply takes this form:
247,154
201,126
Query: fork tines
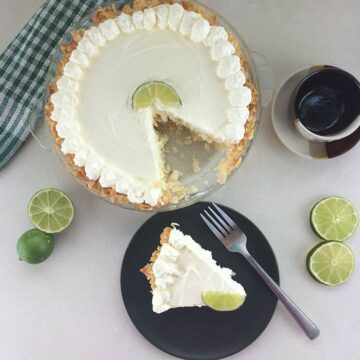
218,221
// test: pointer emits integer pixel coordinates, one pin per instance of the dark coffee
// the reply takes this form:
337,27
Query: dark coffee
320,110
327,101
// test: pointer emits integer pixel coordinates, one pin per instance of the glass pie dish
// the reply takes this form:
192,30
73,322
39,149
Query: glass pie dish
198,164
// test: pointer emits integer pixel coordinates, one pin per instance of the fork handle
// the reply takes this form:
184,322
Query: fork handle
310,329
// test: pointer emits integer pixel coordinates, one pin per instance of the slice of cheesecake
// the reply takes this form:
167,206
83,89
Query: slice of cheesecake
180,271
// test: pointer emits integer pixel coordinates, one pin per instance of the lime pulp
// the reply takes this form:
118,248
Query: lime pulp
331,263
146,94
334,218
50,210
220,301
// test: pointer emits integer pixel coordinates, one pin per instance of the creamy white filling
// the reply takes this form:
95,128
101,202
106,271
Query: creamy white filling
92,106
184,270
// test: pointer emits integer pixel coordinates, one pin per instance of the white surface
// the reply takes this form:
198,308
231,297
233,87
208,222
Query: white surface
70,306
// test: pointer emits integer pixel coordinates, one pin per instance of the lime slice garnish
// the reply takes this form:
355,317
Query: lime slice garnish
145,95
50,210
35,246
334,218
221,301
330,262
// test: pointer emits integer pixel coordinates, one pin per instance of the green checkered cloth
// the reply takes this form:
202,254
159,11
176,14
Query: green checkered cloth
23,67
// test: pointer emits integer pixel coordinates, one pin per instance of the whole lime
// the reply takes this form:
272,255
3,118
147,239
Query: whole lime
35,246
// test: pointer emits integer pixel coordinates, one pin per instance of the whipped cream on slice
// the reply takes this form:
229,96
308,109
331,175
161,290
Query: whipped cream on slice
184,270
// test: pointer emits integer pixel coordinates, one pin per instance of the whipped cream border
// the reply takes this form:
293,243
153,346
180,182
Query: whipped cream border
175,18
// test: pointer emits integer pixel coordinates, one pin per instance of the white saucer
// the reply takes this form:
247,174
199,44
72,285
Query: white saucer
284,125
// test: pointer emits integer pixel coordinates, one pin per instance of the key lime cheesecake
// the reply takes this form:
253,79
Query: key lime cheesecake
157,62
183,274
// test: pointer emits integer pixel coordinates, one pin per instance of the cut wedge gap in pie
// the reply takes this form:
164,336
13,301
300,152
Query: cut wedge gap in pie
183,274
131,71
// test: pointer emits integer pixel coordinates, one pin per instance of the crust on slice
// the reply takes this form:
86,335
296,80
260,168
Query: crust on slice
147,269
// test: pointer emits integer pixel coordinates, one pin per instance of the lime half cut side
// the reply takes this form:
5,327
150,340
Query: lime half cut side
146,94
220,301
334,218
331,263
51,211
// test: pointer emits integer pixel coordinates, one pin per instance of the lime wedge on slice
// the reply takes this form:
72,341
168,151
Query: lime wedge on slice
331,263
334,218
221,301
145,95
51,211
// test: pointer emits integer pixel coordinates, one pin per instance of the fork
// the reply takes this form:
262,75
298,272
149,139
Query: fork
234,239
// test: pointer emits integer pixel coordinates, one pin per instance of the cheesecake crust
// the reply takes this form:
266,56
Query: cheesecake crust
147,269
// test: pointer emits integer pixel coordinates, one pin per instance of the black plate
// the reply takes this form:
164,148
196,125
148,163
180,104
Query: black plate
199,333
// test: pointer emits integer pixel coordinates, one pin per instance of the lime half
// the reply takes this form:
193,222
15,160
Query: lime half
334,218
35,246
221,301
331,263
146,94
50,210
